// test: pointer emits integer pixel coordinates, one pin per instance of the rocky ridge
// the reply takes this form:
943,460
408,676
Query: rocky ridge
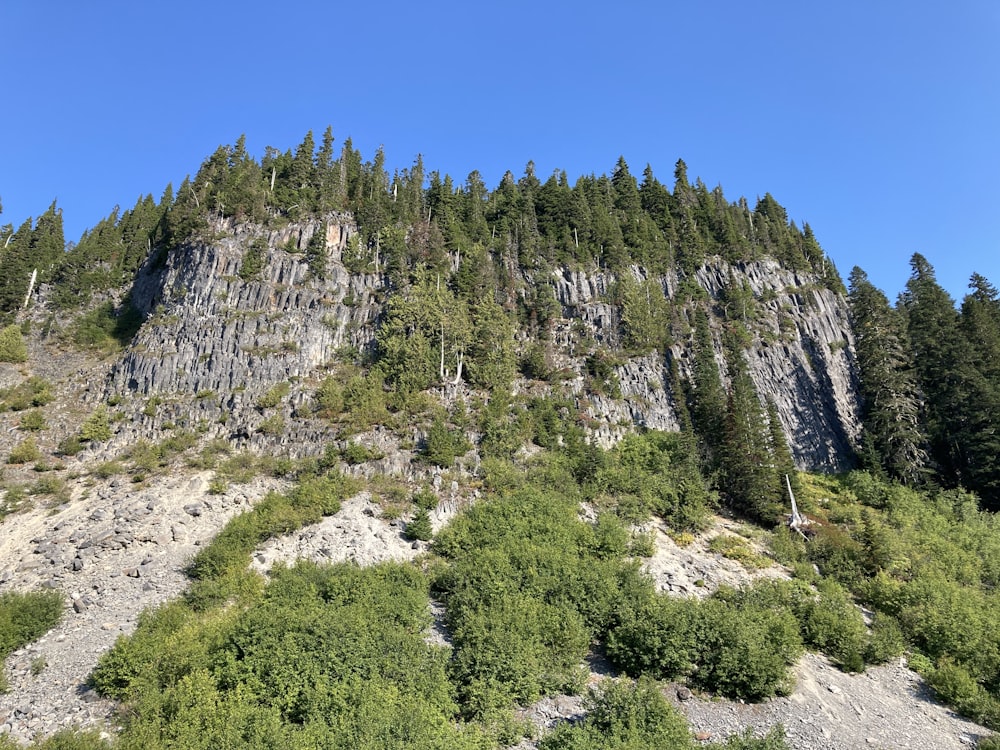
214,341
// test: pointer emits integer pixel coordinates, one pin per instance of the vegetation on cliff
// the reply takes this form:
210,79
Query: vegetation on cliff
469,362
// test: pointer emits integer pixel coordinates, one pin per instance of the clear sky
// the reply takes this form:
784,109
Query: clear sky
876,121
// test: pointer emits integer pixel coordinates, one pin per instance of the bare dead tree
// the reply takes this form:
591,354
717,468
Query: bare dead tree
796,521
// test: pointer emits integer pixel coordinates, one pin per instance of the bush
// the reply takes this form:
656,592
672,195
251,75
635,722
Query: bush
443,445
745,651
35,391
357,453
425,499
419,528
886,641
105,329
25,617
70,445
33,421
311,499
738,643
12,346
657,638
623,715
273,425
773,740
24,452
329,656
274,396
97,427
955,686
832,624
108,469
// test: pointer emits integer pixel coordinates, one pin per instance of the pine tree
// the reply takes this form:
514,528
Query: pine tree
932,325
980,426
891,406
749,473
708,399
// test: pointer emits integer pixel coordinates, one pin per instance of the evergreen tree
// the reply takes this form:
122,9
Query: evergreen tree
708,399
890,402
784,464
47,242
932,325
645,313
980,427
749,474
492,357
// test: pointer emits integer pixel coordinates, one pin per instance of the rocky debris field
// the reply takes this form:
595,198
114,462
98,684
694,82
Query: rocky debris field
113,550
117,548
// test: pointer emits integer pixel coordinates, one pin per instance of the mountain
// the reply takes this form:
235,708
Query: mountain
553,383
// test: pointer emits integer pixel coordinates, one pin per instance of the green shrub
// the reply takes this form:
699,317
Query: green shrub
70,445
329,398
623,715
738,549
239,468
34,391
108,469
425,499
12,346
737,643
958,688
656,472
419,528
528,587
64,739
886,641
24,617
97,427
323,657
443,444
53,486
14,499
105,329
745,651
357,453
273,425
277,514
254,258
773,740
834,625
33,421
642,545
658,637
24,452
274,395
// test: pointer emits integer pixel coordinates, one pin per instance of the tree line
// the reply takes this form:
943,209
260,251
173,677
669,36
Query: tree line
930,382
415,218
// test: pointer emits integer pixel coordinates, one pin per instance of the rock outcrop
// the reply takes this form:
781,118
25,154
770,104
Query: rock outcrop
216,339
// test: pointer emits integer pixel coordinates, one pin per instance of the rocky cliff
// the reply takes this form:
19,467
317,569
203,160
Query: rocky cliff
215,340
801,355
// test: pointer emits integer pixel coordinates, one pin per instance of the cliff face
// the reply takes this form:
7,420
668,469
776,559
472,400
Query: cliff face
209,330
214,343
801,356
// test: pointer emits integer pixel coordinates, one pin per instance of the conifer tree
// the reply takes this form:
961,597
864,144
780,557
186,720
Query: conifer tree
932,326
891,406
980,426
708,399
748,472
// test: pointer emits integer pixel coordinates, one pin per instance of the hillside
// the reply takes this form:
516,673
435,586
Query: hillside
552,426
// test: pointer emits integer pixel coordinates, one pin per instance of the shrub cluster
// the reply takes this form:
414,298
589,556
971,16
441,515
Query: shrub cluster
25,617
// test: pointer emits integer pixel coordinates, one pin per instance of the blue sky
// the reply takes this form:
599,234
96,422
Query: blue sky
876,122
